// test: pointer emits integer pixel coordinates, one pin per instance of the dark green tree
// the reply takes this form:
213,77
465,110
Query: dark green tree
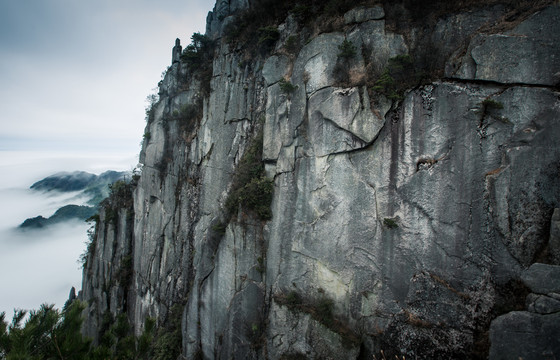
46,334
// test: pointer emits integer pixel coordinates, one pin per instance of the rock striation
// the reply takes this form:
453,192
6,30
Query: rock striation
412,213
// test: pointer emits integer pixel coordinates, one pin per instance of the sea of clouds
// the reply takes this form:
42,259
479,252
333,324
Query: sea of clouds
41,265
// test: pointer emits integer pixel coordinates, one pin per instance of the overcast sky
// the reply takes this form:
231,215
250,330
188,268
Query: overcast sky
74,74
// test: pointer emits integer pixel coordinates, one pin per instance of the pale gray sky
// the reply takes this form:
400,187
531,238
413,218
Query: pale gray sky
75,74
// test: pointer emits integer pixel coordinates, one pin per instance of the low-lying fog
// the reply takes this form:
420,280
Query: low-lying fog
41,265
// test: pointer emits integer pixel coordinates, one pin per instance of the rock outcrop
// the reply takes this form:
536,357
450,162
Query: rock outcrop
412,198
535,333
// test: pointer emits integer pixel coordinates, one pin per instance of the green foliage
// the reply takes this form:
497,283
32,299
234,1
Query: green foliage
286,87
293,298
167,343
151,100
167,346
124,274
291,45
219,228
4,336
52,334
198,56
117,340
386,84
111,215
121,192
251,189
260,265
106,337
147,136
125,342
324,311
398,76
144,344
347,50
268,36
199,51
399,62
253,28
120,197
188,116
92,240
46,334
255,196
390,223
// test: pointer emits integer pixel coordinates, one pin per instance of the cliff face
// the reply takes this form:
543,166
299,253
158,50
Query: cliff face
408,215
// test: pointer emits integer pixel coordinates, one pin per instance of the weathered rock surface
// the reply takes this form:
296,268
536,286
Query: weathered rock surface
394,223
526,54
525,335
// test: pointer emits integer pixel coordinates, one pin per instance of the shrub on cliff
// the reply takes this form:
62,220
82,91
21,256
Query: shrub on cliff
286,87
199,56
267,37
398,76
188,116
198,52
251,189
120,197
347,50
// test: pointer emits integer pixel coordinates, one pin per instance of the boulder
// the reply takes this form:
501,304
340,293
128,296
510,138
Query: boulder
542,278
525,335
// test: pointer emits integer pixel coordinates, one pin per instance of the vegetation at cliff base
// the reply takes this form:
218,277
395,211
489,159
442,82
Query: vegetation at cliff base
48,333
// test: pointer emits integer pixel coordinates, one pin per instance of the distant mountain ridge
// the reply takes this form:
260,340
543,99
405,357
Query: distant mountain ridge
65,213
65,181
95,187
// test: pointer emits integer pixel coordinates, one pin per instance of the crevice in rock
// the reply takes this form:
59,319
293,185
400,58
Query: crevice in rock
498,84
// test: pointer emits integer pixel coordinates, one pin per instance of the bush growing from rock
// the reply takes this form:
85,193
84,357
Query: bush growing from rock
398,76
286,87
347,50
251,189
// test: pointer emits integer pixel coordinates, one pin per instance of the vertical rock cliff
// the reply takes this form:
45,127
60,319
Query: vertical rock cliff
412,158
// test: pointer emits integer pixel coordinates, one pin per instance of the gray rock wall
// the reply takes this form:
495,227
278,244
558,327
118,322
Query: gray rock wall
398,225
